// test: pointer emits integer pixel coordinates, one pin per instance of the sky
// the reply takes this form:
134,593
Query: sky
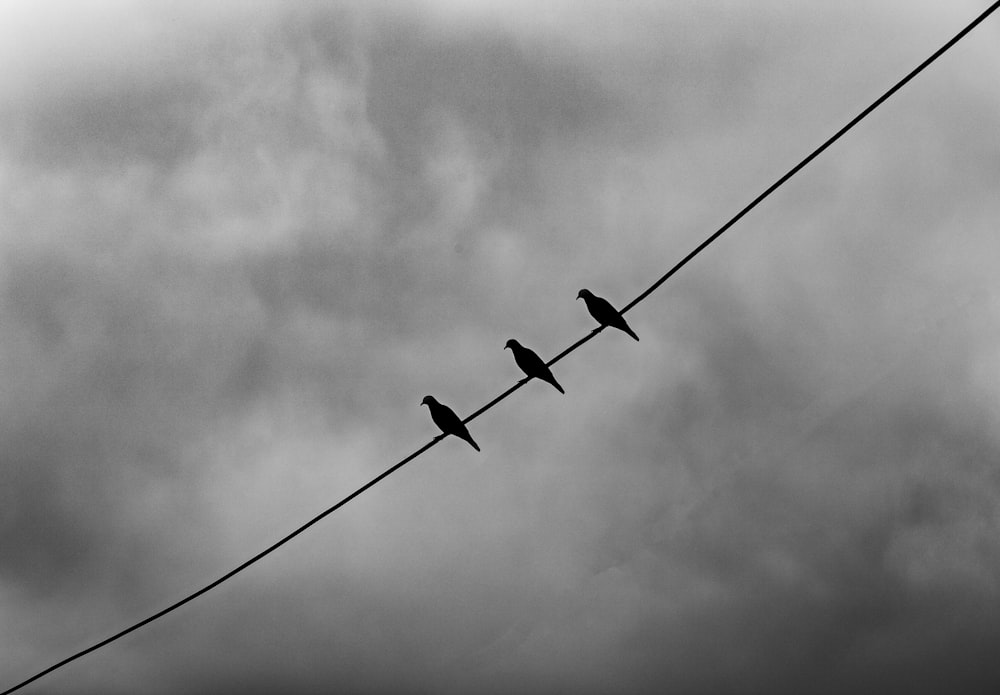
240,241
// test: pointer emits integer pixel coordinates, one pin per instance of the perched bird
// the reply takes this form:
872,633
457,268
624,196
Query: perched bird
531,364
605,314
450,423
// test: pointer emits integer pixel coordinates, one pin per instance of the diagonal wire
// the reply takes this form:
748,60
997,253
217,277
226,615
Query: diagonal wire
701,247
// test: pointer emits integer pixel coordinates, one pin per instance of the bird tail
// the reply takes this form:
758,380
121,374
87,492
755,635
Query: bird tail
468,437
558,387
628,330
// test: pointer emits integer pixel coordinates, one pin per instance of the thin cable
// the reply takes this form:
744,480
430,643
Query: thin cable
270,549
815,153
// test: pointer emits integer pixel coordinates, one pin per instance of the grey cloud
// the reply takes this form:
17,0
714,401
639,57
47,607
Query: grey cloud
128,123
229,277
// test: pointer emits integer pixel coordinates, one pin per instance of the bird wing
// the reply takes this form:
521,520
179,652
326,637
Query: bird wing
533,364
445,418
604,312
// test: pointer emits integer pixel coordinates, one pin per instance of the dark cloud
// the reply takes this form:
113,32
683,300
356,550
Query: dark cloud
240,245
130,123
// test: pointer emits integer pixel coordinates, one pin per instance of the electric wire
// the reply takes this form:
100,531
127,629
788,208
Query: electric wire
389,471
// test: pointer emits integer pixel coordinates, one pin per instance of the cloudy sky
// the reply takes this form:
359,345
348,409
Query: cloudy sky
240,241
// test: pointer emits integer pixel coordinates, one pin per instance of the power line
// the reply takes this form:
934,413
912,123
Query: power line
701,247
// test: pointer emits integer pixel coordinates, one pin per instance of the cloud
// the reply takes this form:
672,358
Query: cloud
239,245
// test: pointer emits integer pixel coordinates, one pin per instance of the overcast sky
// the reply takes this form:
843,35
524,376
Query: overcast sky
240,241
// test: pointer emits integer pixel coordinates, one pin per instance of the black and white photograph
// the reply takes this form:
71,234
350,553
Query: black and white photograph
499,347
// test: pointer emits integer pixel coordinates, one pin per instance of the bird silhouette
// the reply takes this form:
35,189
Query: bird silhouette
531,364
450,423
605,314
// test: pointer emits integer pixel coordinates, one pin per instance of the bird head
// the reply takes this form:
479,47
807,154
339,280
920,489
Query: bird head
428,400
511,344
582,294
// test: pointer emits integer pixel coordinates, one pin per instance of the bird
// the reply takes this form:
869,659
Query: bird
605,314
445,418
531,364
